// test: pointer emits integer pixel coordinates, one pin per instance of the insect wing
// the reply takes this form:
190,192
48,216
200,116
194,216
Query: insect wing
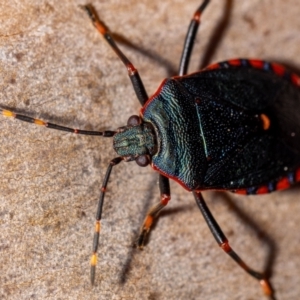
259,156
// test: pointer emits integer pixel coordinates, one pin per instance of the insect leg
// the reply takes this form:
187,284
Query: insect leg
113,162
223,243
165,197
190,38
132,71
10,114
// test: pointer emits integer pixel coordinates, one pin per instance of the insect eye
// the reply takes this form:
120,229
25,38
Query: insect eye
143,160
134,121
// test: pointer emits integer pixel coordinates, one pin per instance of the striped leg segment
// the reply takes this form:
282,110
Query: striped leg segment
8,113
223,243
165,197
132,71
190,38
113,162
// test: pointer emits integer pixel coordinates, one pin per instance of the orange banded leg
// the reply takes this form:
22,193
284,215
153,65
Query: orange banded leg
223,243
190,38
8,113
132,71
113,162
165,197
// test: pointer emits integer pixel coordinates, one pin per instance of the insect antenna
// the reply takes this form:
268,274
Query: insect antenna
10,114
115,161
112,163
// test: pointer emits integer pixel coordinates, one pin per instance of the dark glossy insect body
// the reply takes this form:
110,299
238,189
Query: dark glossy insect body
233,126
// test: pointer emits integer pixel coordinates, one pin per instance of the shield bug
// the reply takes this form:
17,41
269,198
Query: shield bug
231,126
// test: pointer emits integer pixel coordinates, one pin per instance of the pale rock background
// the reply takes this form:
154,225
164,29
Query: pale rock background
55,66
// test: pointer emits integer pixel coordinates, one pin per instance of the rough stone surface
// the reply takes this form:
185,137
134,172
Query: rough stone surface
56,67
